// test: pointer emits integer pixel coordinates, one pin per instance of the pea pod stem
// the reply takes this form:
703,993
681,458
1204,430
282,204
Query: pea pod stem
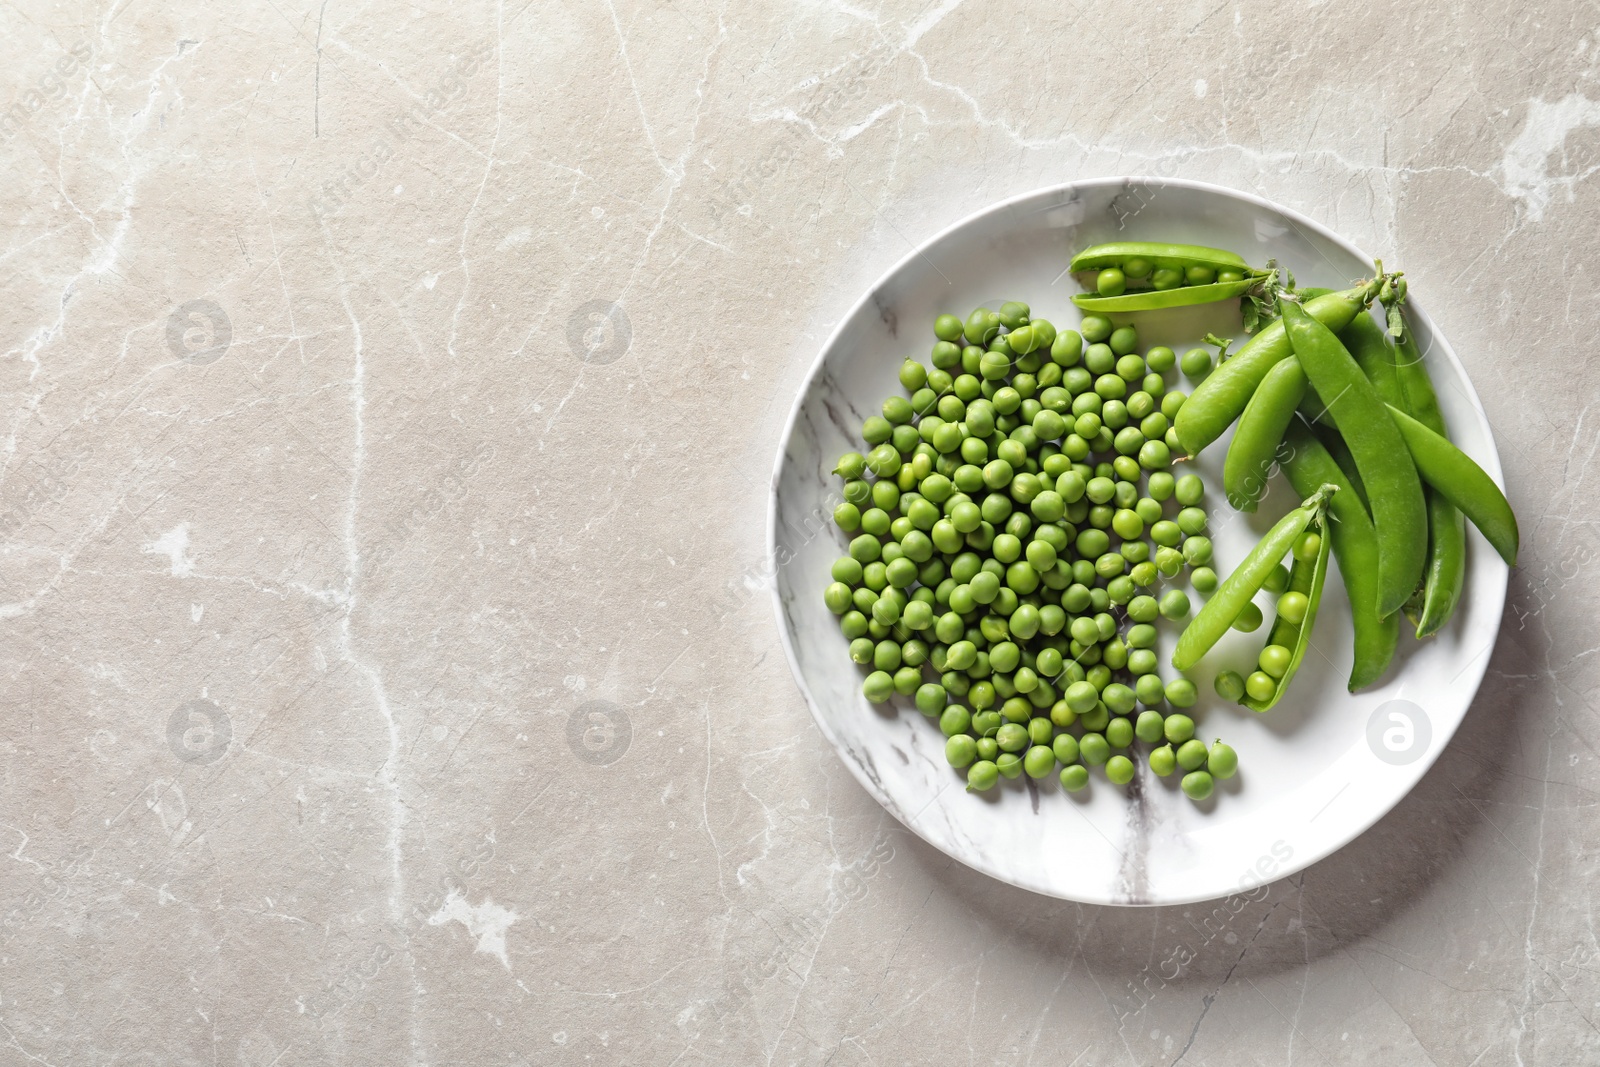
1218,400
1306,577
1394,491
1241,586
1309,465
1254,449
1463,483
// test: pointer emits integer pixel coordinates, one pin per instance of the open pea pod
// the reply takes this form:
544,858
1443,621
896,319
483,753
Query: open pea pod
1307,578
1157,299
1116,253
1149,275
1245,581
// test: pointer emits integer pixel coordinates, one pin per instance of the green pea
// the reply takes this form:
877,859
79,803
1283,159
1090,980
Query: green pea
1093,749
1181,693
1141,661
1155,455
1161,486
878,686
1292,607
887,656
1178,728
1277,580
1013,313
1137,267
982,776
1081,696
1149,689
1204,579
1199,275
1192,521
1039,761
960,750
1119,770
1249,619
1174,604
853,624
1147,727
857,492
837,598
1119,733
1163,761
861,650
1161,359
1189,490
1074,778
1009,765
1111,282
931,698
1308,546
953,720
1123,340
1274,660
1222,761
1142,635
1229,685
1164,278
1040,731
987,749
1196,364
1260,686
1012,737
1197,785
1192,754
947,328
1171,404
1095,328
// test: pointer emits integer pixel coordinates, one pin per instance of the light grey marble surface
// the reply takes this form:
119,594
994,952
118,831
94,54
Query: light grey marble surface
390,396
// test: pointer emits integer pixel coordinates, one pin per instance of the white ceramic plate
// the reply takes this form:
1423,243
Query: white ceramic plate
1315,772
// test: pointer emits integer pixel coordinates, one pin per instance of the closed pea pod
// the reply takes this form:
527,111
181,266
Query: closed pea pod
1463,483
1218,400
1394,491
1253,452
1355,546
1369,346
1232,595
1446,572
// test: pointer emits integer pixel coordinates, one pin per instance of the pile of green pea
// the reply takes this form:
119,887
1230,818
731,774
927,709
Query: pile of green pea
1012,523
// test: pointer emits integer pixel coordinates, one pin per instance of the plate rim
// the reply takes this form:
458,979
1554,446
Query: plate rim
1477,668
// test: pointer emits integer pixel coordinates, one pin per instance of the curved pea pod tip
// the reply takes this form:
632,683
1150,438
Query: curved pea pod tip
1463,483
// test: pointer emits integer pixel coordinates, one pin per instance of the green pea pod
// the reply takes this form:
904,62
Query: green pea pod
1156,299
1306,577
1369,346
1446,573
1463,483
1115,253
1355,545
1218,400
1207,627
1254,450
1394,492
